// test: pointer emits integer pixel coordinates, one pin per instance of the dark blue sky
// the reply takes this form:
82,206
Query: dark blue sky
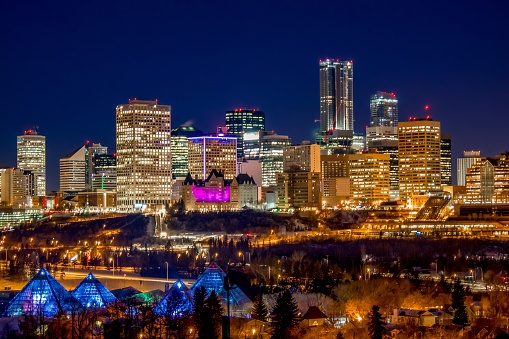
64,66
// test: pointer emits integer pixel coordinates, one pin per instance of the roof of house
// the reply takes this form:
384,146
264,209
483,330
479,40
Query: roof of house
314,312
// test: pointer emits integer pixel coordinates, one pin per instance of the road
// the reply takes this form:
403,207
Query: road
71,277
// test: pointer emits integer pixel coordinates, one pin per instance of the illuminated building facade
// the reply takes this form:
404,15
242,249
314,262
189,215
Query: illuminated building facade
369,177
241,121
446,159
305,157
487,181
384,109
92,293
31,156
43,296
271,156
298,189
336,184
143,155
419,157
219,194
469,158
336,142
72,170
104,175
18,187
179,149
215,193
16,216
91,151
384,140
212,279
336,95
207,153
251,142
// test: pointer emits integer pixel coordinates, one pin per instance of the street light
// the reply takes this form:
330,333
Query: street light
241,254
166,270
113,261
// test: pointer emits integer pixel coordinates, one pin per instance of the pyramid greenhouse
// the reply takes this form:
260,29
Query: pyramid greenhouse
42,296
92,293
178,298
213,280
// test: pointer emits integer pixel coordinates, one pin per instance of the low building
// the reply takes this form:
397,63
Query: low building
97,198
313,317
219,194
402,316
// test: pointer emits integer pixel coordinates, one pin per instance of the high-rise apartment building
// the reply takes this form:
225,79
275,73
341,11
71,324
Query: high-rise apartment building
369,177
336,95
446,159
469,158
31,156
143,155
207,153
241,121
419,157
305,158
179,149
384,109
384,140
271,156
90,152
72,171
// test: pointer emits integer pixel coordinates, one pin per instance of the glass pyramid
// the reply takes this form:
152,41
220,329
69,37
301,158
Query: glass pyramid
92,293
41,296
178,298
213,280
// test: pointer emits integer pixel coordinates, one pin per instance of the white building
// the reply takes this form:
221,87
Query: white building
72,171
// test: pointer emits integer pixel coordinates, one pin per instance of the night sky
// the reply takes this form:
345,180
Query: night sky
64,66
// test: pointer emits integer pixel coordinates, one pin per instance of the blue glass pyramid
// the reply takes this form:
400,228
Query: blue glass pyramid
213,280
92,293
42,296
177,301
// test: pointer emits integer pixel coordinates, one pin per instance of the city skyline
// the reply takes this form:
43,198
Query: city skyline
67,67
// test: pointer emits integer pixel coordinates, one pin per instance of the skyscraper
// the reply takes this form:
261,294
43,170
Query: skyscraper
336,95
241,121
271,156
92,151
469,158
305,158
143,155
207,153
31,156
419,157
384,140
446,159
104,175
384,109
72,170
179,149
